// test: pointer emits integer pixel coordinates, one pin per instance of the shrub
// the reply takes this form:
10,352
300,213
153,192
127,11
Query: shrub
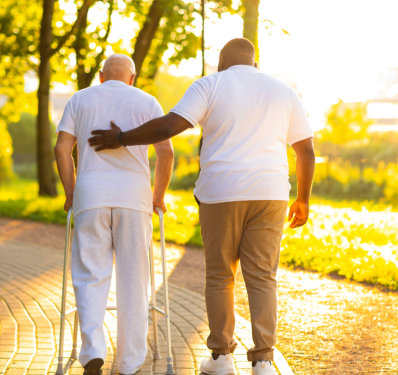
23,134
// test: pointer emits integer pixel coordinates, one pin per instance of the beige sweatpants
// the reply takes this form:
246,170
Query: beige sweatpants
249,231
100,234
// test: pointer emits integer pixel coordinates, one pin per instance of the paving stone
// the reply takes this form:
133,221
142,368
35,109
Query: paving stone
30,299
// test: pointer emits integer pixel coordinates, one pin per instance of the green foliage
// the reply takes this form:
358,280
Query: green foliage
355,189
19,34
18,199
169,89
5,153
346,123
175,35
23,134
359,243
186,160
358,164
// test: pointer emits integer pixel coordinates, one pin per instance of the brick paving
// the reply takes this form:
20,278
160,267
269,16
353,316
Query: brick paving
30,299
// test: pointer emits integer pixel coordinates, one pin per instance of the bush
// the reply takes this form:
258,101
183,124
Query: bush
26,170
352,190
23,134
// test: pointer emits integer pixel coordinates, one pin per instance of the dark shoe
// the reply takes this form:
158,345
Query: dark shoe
93,367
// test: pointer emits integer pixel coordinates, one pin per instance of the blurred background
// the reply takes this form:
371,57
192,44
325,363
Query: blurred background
338,55
341,58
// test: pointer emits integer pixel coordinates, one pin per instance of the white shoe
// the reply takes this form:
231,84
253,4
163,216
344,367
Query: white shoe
223,365
263,368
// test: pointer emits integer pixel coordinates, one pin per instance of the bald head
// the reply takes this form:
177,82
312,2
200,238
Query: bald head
238,51
118,67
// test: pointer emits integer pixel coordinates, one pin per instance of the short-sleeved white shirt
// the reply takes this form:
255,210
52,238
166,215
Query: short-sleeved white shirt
248,119
110,178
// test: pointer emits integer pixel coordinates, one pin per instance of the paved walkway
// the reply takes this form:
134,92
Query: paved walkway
30,297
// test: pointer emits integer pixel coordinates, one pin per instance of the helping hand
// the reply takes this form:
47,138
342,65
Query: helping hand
299,212
105,139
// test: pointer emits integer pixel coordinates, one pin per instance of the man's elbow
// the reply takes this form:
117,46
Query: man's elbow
170,152
310,154
306,151
60,151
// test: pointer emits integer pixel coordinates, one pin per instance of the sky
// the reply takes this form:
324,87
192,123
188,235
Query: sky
336,49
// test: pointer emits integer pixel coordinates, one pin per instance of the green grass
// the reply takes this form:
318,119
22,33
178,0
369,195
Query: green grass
357,240
361,245
18,199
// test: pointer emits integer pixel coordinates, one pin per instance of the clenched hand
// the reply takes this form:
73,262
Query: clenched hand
298,214
105,139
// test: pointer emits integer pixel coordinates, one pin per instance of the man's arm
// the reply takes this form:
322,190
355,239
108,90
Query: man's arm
153,131
163,170
305,167
65,164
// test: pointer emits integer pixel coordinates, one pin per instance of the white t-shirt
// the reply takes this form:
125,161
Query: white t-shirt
248,118
110,178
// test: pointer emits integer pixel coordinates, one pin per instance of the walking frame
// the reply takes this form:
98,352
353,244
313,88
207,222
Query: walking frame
61,369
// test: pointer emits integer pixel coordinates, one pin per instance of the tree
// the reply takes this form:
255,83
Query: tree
45,171
167,26
89,59
17,39
250,22
346,132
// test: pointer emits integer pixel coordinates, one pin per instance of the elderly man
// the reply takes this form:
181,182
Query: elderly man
248,118
113,204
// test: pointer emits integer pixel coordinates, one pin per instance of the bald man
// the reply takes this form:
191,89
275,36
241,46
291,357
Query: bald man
112,205
248,119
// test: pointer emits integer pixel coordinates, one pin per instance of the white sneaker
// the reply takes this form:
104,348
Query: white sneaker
263,368
223,365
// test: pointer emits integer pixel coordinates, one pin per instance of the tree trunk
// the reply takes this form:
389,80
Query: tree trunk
147,33
250,22
84,79
45,171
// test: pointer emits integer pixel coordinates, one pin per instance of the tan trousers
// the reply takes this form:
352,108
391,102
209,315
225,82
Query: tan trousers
249,231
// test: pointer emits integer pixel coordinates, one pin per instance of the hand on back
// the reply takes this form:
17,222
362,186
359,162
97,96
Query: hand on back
106,139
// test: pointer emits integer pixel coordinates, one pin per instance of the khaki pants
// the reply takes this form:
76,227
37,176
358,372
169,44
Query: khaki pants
249,231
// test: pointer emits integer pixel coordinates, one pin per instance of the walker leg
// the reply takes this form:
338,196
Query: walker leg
156,351
170,369
73,355
60,369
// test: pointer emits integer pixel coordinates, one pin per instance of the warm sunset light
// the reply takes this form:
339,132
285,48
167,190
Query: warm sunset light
254,142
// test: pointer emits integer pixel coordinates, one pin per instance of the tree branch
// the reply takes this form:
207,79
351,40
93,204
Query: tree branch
100,56
108,27
80,17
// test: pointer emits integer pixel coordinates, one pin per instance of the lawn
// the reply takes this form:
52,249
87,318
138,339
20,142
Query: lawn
356,240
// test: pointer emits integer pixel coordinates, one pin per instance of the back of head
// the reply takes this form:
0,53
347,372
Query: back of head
238,51
118,67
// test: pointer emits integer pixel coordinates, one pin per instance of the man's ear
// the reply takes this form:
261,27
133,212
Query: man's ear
101,76
132,78
221,63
